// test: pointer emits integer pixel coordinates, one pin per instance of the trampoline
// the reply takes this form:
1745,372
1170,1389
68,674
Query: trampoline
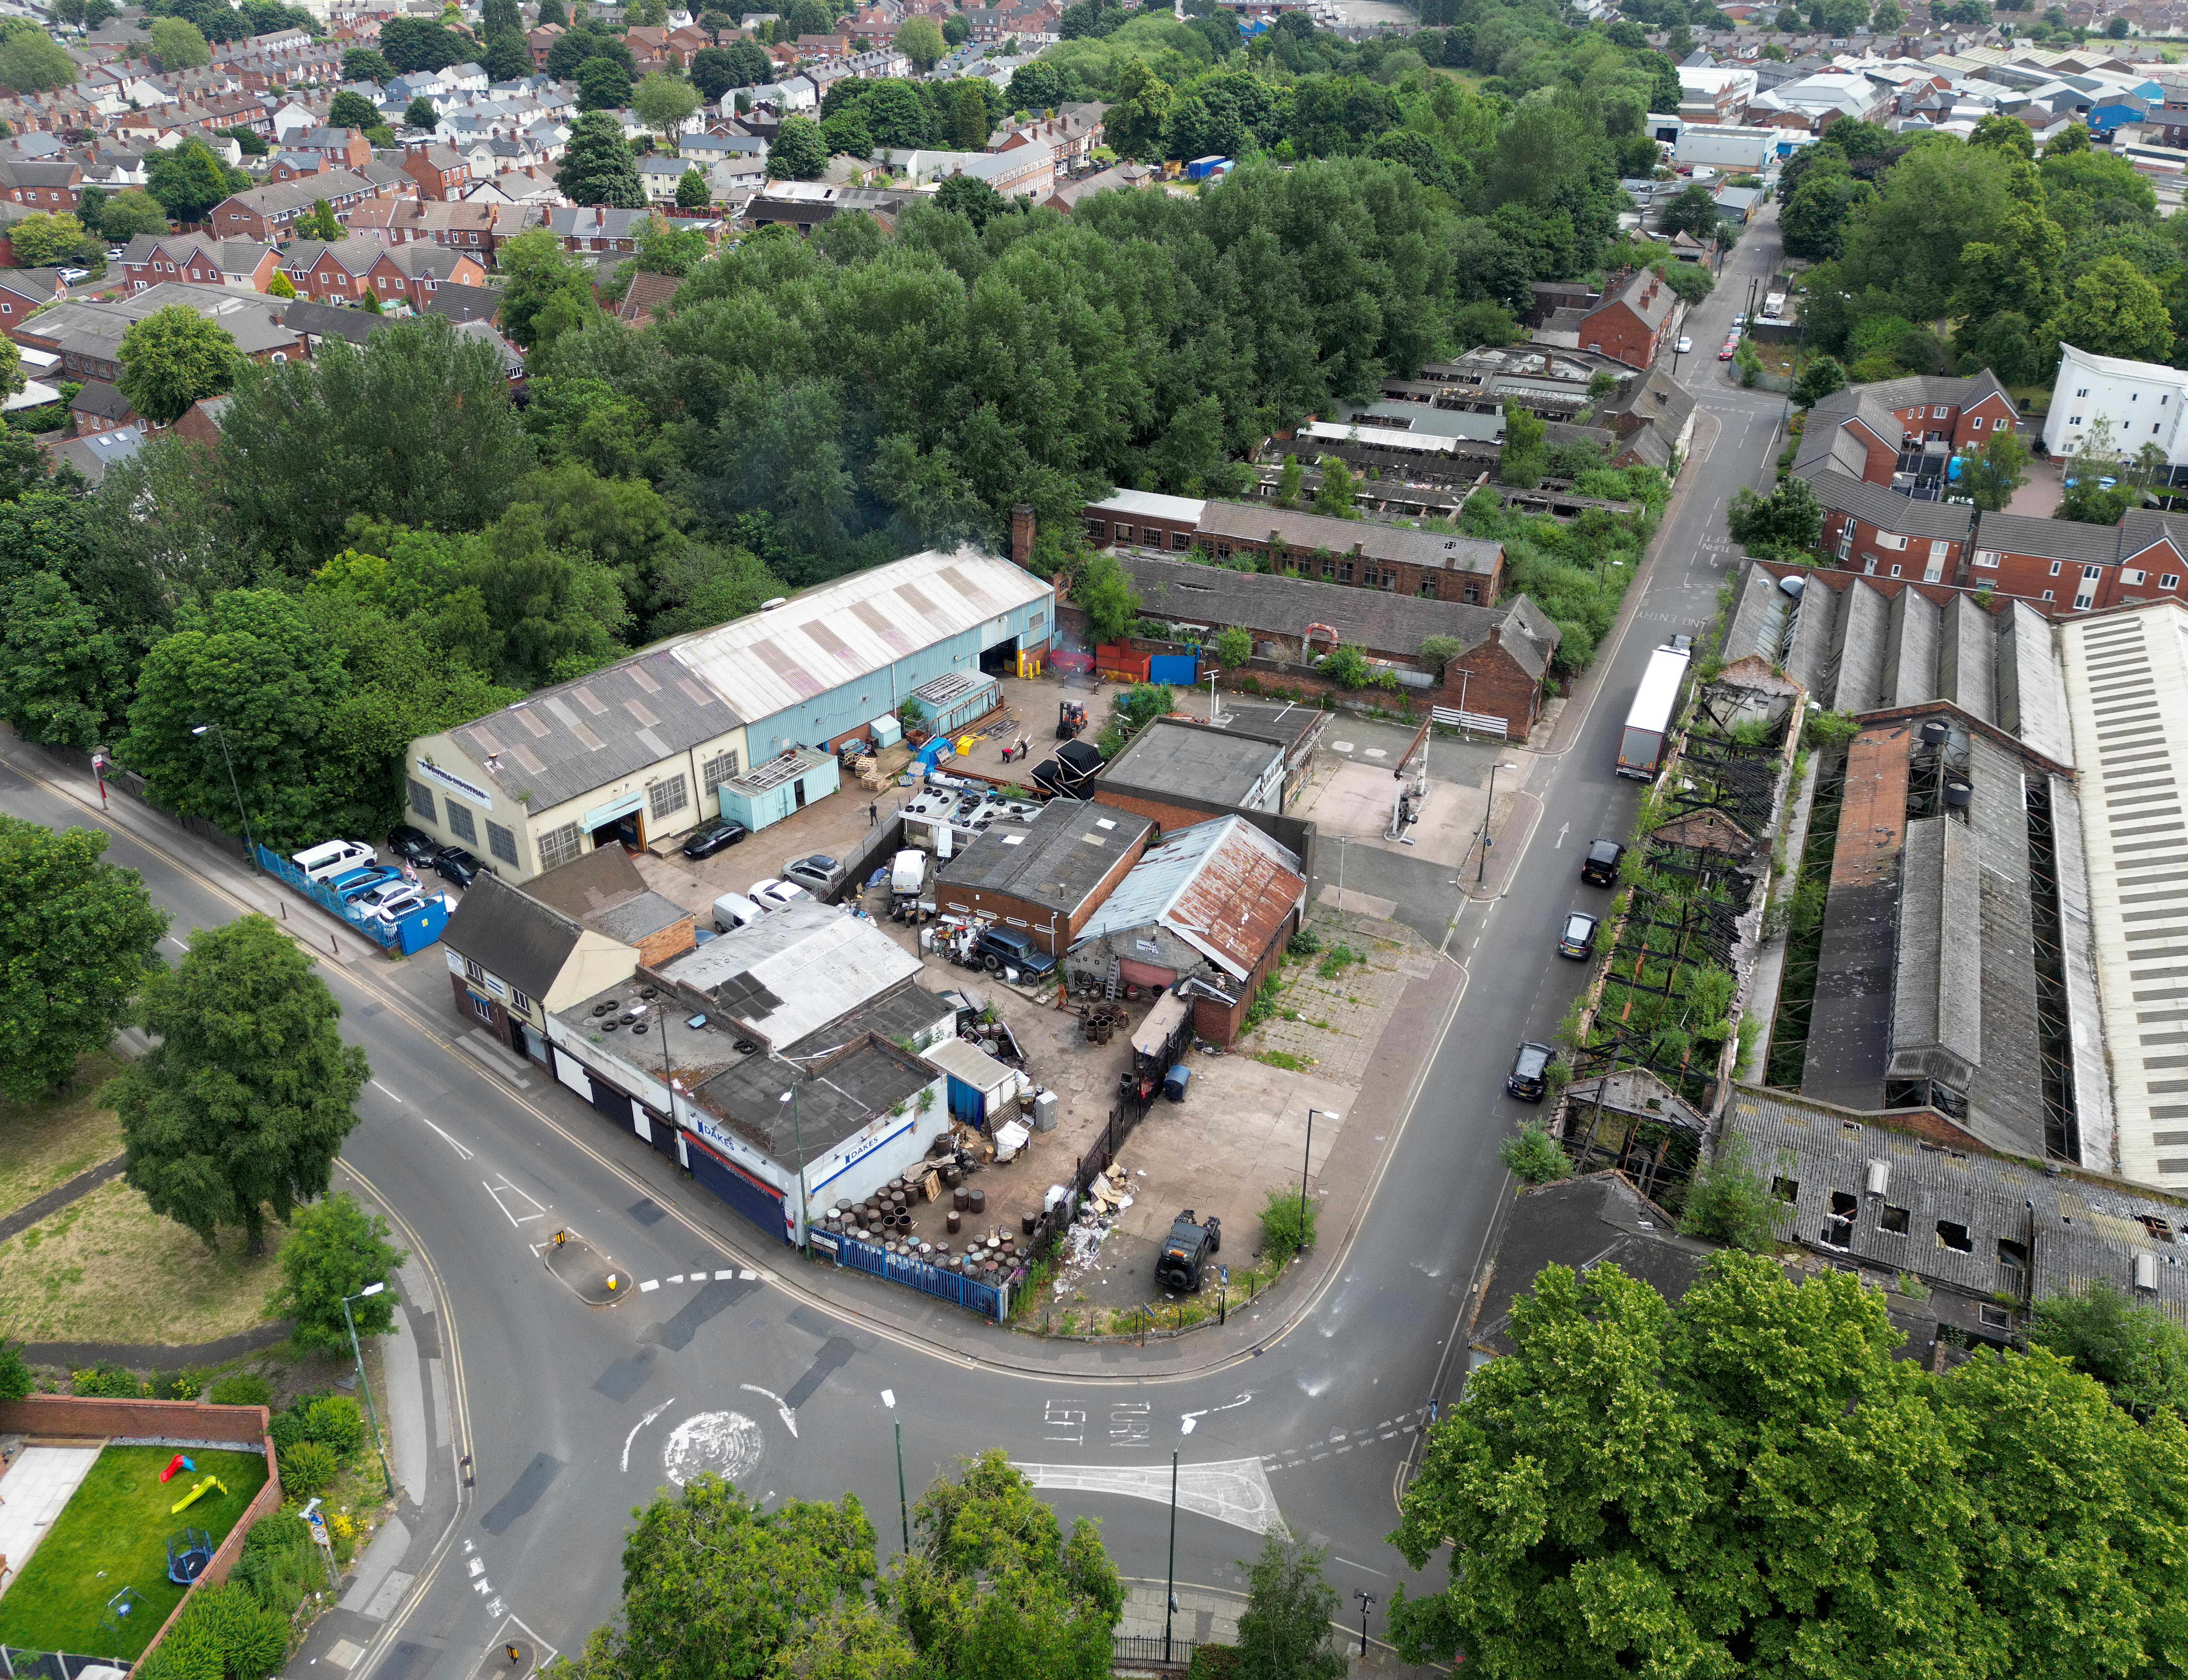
188,1555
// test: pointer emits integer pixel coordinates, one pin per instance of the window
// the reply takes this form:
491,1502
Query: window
473,973
1428,585
421,798
2171,580
717,769
1785,1189
1895,571
2055,568
2075,420
2047,594
480,1007
1955,1237
1976,424
2084,391
1181,540
519,1002
558,846
673,794
1939,412
1892,1219
1344,572
1328,569
461,824
2092,572
2131,576
1986,557
501,841
1124,533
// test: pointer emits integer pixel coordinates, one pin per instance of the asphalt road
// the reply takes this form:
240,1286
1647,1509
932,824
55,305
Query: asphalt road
572,1414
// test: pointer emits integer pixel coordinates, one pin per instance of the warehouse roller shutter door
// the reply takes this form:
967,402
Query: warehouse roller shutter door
757,1201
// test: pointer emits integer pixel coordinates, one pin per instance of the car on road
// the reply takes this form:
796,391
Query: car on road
1576,939
70,276
115,253
359,882
453,863
713,836
1737,322
1181,1267
1731,348
414,843
818,875
1001,947
773,894
1686,345
1599,866
1530,1077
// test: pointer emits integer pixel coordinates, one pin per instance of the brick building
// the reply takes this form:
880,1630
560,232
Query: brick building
1499,673
440,170
1045,879
2059,565
1902,432
350,269
1362,553
153,258
1632,322
267,214
1870,529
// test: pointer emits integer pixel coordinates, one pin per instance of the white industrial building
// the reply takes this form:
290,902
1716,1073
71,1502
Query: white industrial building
2145,402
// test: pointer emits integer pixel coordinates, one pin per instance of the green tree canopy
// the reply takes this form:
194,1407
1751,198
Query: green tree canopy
1734,1441
78,939
798,152
1284,1632
597,167
354,110
64,675
176,44
2113,310
32,62
1991,474
1101,590
241,1106
188,181
335,1250
1786,523
417,114
172,356
664,102
2139,1354
603,85
920,40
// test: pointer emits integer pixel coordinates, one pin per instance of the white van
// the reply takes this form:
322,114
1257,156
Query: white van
335,857
733,911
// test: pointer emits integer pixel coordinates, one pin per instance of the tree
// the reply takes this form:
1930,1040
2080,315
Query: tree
508,58
1134,124
80,939
1101,590
921,41
536,272
172,356
797,151
1784,524
665,246
955,32
415,44
552,11
367,64
1887,17
242,1101
716,70
1284,1632
1233,646
1524,457
1998,129
129,212
41,241
354,110
335,1250
1532,1154
32,62
1991,474
692,192
2074,138
1822,376
319,222
177,44
417,114
1736,1439
1693,211
1336,499
2139,1354
971,118
1290,476
603,85
664,103
597,167
970,197
280,286
2114,310
188,181
63,674
1729,1202
1346,666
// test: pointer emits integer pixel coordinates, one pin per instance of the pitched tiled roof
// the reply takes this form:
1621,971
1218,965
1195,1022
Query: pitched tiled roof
1889,510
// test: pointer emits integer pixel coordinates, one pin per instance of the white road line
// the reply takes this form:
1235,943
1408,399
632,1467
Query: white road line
641,1424
1350,1563
648,1286
789,1420
461,1152
1234,1491
723,1277
385,1091
676,1277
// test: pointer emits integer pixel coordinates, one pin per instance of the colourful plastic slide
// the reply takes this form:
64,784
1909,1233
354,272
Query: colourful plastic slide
197,1493
177,1463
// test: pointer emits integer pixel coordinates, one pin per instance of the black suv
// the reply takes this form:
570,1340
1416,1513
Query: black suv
1530,1077
1600,865
1182,1265
1005,945
710,838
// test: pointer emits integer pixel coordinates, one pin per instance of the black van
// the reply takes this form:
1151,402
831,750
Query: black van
1600,864
1529,1079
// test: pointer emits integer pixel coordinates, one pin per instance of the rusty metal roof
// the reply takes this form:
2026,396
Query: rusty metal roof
1222,887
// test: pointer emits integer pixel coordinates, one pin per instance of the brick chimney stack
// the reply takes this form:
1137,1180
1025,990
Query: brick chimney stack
1022,533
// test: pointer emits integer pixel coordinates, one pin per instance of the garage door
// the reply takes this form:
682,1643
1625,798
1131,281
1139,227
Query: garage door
757,1201
1146,974
572,1073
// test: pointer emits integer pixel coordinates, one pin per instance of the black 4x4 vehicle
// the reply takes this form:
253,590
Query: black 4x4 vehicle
1600,865
1001,946
1183,1262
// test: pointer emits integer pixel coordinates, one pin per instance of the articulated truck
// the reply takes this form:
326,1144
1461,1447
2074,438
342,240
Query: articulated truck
1641,745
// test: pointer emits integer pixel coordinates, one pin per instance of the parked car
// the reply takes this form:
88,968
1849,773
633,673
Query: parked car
773,894
818,875
733,911
1600,865
394,907
414,843
1530,1077
70,276
453,863
115,253
1181,1266
1731,348
332,858
999,946
1577,938
359,882
710,838
1686,345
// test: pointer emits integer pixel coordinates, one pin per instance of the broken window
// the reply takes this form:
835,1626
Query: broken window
1892,1219
2157,1227
1995,1317
1785,1189
1955,1237
1838,1230
2012,1253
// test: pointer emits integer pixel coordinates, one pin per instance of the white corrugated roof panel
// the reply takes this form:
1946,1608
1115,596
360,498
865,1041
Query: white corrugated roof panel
817,641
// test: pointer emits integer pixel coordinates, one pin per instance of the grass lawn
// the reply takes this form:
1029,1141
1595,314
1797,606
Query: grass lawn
106,1268
113,1534
48,1141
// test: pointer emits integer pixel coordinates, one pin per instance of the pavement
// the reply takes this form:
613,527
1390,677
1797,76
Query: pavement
549,1418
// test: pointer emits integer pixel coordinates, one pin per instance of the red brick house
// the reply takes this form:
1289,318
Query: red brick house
347,271
542,42
24,290
267,214
440,173
1871,529
1633,322
43,185
2059,566
152,258
340,148
1902,429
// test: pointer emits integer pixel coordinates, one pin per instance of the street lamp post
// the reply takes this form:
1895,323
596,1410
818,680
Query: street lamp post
1481,869
1170,1590
1304,1163
1367,1603
221,735
797,1134
364,1385
903,1504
